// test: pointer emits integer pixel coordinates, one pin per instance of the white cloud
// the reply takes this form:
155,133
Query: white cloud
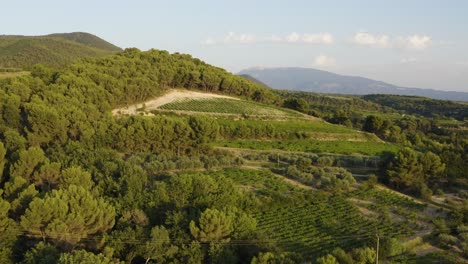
320,38
232,38
324,61
367,39
417,42
293,38
413,42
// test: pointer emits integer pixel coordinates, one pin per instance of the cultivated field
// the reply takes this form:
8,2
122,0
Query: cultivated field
304,221
227,106
170,97
182,101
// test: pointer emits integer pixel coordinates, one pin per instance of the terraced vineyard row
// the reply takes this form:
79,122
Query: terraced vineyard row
388,198
312,223
315,146
227,106
315,229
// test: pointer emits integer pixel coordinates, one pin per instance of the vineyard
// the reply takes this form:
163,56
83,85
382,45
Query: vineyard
299,126
314,146
227,106
312,223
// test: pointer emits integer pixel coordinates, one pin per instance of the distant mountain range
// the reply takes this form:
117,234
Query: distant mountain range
53,50
312,80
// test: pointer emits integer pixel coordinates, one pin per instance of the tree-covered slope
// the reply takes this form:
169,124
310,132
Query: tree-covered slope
421,105
88,40
134,76
79,185
53,50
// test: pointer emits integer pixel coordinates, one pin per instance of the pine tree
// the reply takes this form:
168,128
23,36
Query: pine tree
66,216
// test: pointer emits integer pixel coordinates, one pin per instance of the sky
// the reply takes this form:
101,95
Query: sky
411,43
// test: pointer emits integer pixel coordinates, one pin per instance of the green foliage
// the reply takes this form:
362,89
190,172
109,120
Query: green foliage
372,124
271,258
328,259
152,188
42,253
76,176
263,258
2,160
433,167
8,233
204,129
364,255
53,50
300,104
412,171
421,105
28,162
213,226
315,146
84,257
159,248
405,169
88,40
67,216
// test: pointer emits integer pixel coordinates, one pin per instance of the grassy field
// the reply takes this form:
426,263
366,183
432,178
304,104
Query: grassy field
307,126
315,146
305,221
228,106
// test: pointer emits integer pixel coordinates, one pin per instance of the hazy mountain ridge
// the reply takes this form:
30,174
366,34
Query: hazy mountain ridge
312,80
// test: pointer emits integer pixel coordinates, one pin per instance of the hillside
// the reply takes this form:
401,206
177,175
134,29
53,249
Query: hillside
421,105
88,40
53,50
312,80
250,78
190,102
152,157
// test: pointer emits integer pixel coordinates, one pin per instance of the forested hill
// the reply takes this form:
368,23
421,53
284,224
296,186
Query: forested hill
134,76
88,40
79,185
50,106
53,50
421,105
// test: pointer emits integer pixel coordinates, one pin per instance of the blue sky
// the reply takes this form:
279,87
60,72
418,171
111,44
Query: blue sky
411,43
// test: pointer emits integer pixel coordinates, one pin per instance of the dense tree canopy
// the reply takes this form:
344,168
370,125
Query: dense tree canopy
79,185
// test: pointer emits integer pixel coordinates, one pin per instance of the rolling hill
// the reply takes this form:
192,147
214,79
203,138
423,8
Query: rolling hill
312,80
278,189
53,50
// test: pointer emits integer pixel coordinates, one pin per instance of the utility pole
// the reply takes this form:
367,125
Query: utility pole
377,255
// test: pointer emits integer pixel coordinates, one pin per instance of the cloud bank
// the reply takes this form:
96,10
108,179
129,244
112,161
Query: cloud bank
292,38
412,42
367,39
